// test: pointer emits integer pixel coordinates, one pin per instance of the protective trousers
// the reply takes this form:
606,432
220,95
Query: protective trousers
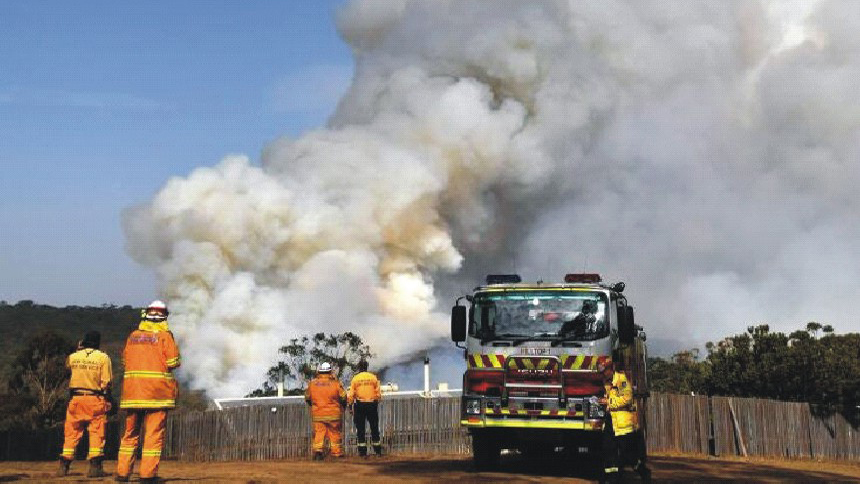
619,450
85,411
367,412
152,422
331,429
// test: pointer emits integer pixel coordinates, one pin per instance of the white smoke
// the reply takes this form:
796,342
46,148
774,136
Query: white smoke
705,152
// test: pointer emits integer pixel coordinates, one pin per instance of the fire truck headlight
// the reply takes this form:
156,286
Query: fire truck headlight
473,406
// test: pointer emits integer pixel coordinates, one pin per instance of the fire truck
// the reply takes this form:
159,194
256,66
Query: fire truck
533,353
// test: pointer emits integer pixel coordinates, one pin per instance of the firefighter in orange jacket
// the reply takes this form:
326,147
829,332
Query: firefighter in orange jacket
148,391
363,397
327,398
89,403
623,442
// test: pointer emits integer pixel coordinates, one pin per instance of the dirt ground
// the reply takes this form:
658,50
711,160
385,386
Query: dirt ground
665,468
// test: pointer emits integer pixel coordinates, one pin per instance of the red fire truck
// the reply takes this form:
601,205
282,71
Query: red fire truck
532,353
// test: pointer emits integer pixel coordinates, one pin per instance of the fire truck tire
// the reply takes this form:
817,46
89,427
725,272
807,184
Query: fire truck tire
485,451
531,452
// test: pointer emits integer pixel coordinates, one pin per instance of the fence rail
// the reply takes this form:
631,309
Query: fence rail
720,426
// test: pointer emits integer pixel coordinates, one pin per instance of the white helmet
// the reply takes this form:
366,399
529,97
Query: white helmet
324,368
156,311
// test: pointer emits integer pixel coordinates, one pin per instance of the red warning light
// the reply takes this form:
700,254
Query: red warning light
582,278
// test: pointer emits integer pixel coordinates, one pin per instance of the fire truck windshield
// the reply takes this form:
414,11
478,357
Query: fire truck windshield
540,315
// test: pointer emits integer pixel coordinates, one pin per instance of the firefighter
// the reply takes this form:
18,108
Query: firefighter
363,398
583,323
623,442
89,403
148,392
327,399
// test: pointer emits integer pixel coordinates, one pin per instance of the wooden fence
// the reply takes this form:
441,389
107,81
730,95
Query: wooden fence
723,426
408,426
677,423
687,424
750,426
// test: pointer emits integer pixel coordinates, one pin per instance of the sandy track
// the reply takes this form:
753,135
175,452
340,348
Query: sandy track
452,468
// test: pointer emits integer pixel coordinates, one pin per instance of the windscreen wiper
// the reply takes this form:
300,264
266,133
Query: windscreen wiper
566,342
517,342
515,339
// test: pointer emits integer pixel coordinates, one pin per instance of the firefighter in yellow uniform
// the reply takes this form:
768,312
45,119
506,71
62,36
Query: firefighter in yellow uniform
363,397
327,399
148,392
89,403
623,442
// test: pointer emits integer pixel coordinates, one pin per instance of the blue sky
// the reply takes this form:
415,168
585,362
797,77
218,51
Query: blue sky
102,102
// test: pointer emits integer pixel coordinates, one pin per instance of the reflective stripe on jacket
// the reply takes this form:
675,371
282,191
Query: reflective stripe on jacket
91,370
326,397
621,405
150,356
364,388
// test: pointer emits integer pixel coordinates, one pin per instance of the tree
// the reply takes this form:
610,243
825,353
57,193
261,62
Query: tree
683,373
299,360
39,380
813,327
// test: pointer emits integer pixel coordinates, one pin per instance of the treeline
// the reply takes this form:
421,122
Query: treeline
813,365
19,322
36,341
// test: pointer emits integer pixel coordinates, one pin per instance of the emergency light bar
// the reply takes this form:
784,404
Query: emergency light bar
503,279
590,278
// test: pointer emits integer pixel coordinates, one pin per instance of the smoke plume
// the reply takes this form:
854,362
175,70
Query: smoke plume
704,152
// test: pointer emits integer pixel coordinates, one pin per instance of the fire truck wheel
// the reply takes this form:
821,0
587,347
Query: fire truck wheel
485,451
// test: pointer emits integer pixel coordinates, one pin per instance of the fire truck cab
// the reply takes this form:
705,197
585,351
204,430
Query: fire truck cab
532,353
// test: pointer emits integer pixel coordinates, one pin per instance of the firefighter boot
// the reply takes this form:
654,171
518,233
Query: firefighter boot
643,471
362,450
318,456
96,469
64,467
613,477
377,449
120,478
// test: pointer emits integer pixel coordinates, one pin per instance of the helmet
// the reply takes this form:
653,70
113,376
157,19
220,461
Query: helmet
324,368
156,311
589,306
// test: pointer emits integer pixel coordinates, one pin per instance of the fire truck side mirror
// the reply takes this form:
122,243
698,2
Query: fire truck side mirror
626,326
458,323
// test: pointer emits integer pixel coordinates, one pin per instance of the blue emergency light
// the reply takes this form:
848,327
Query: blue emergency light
503,279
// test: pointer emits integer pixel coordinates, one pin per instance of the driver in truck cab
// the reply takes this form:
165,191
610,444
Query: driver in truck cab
583,322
